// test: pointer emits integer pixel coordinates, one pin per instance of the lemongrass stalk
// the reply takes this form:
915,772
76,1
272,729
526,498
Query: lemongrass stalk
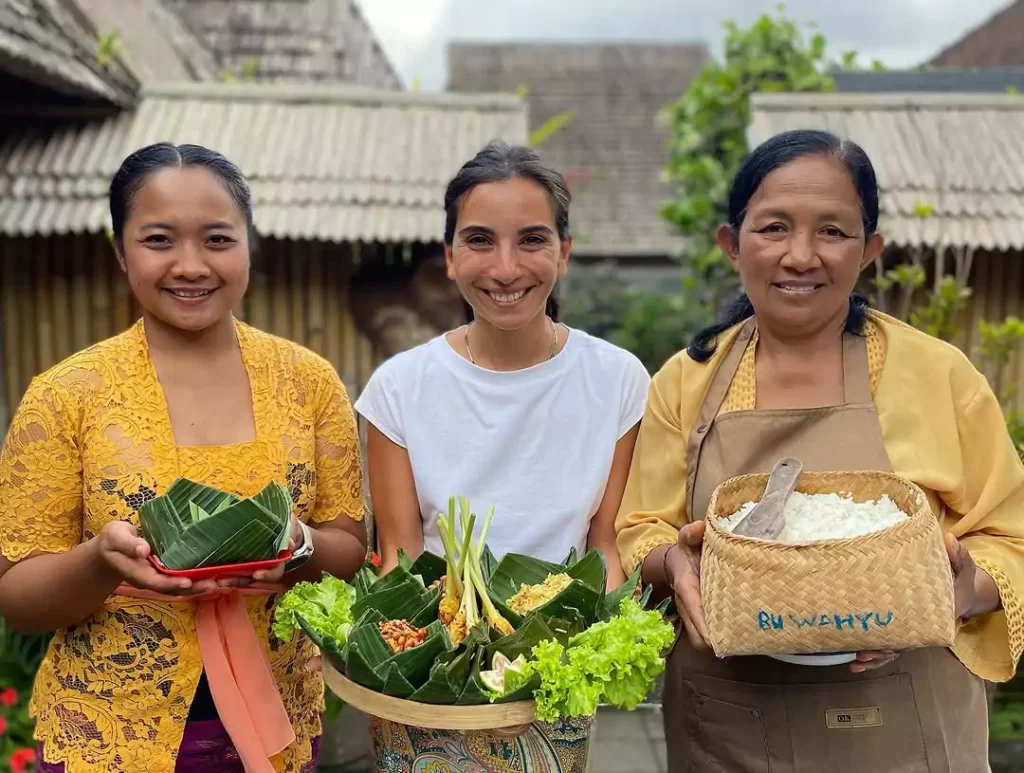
444,530
466,551
491,613
483,532
469,609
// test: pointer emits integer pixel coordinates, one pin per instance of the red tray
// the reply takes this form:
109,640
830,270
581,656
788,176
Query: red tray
217,572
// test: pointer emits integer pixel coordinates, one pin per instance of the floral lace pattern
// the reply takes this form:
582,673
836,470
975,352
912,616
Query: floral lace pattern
90,443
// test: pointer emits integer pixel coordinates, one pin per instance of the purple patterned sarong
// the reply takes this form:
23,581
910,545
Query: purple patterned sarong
205,748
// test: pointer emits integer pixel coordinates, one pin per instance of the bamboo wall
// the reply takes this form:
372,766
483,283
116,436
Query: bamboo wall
997,281
60,294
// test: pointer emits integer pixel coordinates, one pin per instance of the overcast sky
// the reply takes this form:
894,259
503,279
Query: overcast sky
899,32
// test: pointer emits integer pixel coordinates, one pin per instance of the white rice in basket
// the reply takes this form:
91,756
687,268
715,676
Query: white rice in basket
812,517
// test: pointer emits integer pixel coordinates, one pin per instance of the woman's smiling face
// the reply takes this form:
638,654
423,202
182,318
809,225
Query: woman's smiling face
506,255
802,245
185,248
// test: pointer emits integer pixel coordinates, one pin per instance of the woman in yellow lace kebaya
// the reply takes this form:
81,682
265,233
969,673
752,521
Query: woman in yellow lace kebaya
187,391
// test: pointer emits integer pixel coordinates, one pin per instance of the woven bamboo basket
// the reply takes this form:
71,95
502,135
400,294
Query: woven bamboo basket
495,716
889,590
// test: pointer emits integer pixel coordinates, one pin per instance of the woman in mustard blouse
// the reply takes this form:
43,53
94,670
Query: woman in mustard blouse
802,367
187,391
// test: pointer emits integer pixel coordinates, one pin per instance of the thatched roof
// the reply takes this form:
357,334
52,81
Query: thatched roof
44,42
613,150
996,42
305,40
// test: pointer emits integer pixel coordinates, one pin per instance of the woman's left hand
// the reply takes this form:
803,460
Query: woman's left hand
869,660
975,593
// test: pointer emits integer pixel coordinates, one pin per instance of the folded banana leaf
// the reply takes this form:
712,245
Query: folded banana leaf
436,672
475,692
590,570
398,595
167,516
415,664
488,563
613,600
585,595
364,580
395,684
429,567
193,525
366,648
516,570
437,690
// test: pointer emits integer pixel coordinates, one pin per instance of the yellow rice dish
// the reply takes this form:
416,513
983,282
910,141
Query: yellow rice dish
531,597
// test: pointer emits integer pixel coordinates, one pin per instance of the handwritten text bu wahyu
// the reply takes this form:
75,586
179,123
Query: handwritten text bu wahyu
865,621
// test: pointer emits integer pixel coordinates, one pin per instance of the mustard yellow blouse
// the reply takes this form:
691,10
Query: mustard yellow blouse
90,443
942,427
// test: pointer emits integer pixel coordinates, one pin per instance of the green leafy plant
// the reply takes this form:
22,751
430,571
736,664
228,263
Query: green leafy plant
938,317
709,125
17,747
192,525
19,658
108,48
554,124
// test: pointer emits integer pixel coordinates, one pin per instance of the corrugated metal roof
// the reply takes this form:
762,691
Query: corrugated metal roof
962,155
334,163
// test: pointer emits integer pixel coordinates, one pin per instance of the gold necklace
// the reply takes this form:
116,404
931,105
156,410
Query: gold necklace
554,341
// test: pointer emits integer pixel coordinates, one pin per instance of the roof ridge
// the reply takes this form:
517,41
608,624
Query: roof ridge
317,93
937,100
696,43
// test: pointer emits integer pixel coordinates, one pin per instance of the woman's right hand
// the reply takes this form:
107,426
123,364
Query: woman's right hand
127,554
683,568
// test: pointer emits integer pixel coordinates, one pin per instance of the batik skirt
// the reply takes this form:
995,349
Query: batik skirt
544,747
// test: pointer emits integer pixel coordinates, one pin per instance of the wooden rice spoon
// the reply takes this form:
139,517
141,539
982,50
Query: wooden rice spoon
768,518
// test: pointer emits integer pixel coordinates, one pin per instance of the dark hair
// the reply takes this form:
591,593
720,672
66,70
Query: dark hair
762,161
498,162
136,169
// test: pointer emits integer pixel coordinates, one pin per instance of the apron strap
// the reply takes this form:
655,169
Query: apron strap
856,371
713,399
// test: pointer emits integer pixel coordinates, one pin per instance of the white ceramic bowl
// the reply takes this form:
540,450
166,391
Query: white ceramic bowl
830,659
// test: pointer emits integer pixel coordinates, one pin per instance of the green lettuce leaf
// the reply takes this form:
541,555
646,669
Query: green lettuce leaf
325,607
614,662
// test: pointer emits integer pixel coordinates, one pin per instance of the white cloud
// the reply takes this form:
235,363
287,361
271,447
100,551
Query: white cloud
901,33
405,28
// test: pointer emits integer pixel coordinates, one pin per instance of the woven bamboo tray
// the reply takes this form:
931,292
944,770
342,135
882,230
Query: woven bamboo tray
493,716
890,590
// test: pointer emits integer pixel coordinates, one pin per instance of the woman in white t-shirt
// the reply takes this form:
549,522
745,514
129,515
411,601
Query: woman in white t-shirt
513,410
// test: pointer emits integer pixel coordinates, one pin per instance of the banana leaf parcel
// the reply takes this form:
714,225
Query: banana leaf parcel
192,525
467,629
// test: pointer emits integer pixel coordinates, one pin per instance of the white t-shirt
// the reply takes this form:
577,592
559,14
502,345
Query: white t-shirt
536,443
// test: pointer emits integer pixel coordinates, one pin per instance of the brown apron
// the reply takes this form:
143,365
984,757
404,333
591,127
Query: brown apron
923,713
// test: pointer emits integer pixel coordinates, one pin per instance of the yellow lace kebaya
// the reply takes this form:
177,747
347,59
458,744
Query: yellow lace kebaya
90,443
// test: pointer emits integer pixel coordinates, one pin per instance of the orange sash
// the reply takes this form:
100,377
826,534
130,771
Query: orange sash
243,687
